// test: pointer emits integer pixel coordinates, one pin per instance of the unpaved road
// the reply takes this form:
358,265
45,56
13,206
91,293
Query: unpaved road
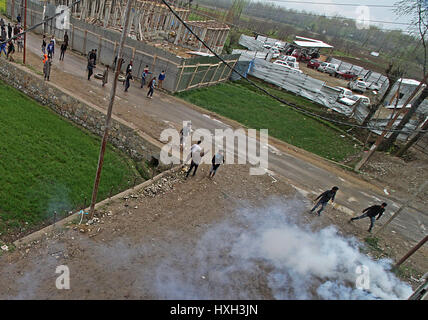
193,239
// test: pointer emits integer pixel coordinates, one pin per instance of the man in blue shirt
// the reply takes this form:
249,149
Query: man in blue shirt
161,79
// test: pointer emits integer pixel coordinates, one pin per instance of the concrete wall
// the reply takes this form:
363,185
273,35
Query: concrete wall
121,136
84,37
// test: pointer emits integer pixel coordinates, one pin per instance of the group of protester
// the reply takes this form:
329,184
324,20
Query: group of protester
7,32
370,212
48,51
151,84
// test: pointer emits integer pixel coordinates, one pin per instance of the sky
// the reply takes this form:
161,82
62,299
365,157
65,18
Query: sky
379,14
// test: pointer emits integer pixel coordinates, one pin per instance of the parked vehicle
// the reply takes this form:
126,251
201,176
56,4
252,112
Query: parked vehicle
266,46
344,92
285,64
352,100
331,68
275,53
314,64
322,66
347,75
357,85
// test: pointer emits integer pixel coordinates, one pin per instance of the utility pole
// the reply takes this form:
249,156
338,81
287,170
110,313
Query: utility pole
110,109
25,34
420,189
412,251
391,122
412,140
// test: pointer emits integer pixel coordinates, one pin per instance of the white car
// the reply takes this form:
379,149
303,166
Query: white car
351,100
357,85
331,68
276,53
344,92
322,66
375,86
285,64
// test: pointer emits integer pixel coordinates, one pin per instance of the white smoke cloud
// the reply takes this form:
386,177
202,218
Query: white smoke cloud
266,253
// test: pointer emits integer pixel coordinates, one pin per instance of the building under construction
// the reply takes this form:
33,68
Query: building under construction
152,21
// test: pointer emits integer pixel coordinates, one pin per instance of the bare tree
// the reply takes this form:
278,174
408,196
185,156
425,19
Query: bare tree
417,10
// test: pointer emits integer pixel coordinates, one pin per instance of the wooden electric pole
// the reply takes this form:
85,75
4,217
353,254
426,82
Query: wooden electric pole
412,251
110,109
390,124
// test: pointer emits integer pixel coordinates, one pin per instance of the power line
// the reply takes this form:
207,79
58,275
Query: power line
267,92
335,4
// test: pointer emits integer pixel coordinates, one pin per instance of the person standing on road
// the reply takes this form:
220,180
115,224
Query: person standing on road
47,67
90,67
129,67
3,38
151,86
105,76
144,75
44,44
9,30
372,212
127,81
325,197
66,38
184,133
51,49
216,161
196,153
63,49
161,79
20,41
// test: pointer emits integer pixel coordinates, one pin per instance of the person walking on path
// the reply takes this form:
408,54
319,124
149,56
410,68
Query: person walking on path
3,38
161,79
151,86
44,44
216,161
105,76
66,38
144,75
51,49
9,30
325,197
63,49
10,51
371,212
184,133
20,41
127,80
47,67
196,153
18,18
91,67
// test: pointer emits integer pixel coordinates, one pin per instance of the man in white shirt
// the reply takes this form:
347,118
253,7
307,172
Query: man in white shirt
196,153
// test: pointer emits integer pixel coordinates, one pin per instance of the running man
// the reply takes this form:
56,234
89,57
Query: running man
371,212
216,161
325,197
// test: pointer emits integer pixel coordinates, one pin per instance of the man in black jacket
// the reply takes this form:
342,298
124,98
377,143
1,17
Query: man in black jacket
371,212
324,199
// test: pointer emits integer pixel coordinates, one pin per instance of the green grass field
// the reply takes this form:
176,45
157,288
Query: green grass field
47,163
255,110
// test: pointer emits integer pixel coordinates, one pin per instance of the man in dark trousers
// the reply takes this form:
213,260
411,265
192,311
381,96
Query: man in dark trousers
91,67
371,212
128,78
66,38
216,161
9,30
324,199
63,48
151,86
51,49
196,154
